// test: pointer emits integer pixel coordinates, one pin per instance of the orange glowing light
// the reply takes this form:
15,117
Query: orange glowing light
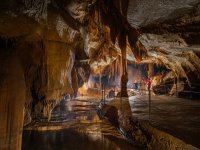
83,89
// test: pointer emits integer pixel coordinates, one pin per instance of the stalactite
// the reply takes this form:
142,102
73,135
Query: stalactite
110,16
113,69
48,106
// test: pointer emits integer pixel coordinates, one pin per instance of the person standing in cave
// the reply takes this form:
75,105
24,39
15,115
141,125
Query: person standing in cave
148,81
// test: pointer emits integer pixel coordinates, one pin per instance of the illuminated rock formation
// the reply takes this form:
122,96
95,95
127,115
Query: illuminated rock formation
55,45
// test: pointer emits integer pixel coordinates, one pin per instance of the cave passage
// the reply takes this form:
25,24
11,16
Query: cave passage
99,74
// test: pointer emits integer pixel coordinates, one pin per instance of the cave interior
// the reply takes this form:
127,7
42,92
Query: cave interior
53,52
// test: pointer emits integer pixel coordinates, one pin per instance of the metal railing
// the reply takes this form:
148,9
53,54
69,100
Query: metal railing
143,90
192,88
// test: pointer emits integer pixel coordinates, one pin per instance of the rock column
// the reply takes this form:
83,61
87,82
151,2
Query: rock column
12,97
124,77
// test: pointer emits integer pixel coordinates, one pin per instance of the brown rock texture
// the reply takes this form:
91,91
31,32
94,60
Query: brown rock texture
48,48
12,99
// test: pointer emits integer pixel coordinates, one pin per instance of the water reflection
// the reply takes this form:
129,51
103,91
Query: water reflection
72,140
85,131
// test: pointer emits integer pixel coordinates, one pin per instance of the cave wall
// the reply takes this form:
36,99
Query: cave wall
171,36
36,57
34,77
48,79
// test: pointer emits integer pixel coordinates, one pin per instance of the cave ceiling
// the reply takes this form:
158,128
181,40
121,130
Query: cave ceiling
157,31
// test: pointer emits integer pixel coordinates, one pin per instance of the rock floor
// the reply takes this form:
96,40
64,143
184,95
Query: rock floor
176,116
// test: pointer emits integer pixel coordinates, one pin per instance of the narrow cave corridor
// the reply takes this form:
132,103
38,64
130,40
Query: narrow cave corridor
99,74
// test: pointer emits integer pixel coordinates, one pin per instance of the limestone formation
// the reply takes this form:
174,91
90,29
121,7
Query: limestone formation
48,49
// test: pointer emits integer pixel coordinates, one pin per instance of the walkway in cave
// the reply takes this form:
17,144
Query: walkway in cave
74,125
179,117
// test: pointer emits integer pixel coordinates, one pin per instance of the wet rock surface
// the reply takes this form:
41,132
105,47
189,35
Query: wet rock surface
140,132
74,125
